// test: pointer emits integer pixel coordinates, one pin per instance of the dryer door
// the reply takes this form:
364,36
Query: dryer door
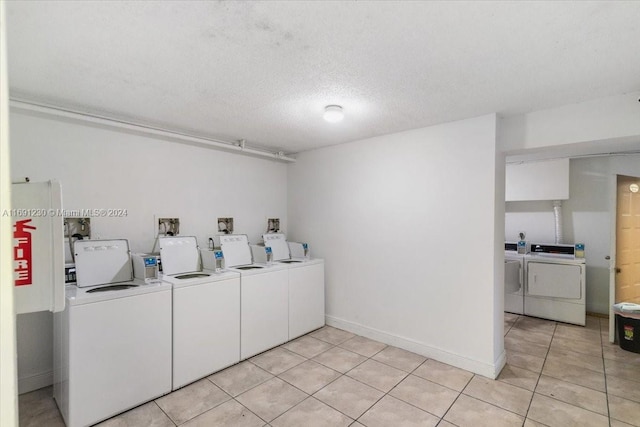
554,280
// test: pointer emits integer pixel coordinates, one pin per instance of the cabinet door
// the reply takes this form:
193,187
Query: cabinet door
265,312
306,299
554,280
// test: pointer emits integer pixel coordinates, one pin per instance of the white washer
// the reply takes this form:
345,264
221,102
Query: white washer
514,277
306,286
206,312
556,284
264,297
112,343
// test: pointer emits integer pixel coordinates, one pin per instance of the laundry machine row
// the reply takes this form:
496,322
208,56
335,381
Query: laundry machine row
121,341
548,282
265,303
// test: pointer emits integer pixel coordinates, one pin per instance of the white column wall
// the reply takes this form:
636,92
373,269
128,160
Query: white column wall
408,227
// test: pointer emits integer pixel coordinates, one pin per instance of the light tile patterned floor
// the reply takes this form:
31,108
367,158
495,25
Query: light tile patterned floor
556,375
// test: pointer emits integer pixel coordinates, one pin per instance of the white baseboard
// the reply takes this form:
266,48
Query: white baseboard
35,382
481,368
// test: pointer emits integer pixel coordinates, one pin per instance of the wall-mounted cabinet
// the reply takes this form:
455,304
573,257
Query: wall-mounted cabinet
544,180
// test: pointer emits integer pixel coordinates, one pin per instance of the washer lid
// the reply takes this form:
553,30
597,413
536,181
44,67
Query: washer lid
79,296
100,262
296,249
179,254
278,244
236,250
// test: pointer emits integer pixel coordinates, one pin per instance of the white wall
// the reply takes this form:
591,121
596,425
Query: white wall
406,225
586,218
101,168
604,119
542,180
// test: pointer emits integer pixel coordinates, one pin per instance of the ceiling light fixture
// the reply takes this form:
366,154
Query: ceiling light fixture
333,113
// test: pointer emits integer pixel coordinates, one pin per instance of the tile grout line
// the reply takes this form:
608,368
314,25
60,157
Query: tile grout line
326,385
392,388
355,379
604,368
273,376
250,388
262,419
609,418
456,399
165,414
213,407
533,394
344,375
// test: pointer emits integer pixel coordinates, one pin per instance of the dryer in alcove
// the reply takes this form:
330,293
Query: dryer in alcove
556,284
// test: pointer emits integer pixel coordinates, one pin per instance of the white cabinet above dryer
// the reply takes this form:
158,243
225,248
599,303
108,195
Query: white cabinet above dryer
539,180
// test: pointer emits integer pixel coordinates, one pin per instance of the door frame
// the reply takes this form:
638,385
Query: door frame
613,210
8,352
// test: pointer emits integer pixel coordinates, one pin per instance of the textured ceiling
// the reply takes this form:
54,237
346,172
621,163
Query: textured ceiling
263,71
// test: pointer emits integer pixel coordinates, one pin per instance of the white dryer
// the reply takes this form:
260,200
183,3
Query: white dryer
306,285
112,343
514,277
206,312
556,284
264,298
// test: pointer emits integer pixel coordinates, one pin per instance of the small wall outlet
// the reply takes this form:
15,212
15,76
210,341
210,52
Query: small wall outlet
273,225
77,227
168,226
225,225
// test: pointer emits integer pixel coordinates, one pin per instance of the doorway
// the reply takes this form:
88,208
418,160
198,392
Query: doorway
627,268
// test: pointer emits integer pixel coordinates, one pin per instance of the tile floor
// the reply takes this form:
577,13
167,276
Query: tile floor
556,375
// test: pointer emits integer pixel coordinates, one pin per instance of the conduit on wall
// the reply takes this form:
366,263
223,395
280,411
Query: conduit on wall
238,147
557,216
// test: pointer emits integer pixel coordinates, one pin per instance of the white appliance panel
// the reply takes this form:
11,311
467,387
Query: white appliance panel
179,254
119,356
555,309
278,244
514,286
512,276
206,329
554,280
296,249
306,298
100,262
265,311
236,250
